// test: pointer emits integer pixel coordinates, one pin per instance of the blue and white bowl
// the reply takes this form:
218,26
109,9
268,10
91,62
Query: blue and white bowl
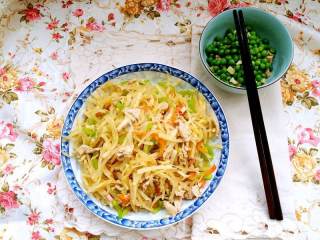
143,220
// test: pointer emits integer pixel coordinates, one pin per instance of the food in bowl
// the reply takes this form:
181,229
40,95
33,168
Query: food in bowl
145,145
223,57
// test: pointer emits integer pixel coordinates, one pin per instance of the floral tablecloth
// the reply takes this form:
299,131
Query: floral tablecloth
36,84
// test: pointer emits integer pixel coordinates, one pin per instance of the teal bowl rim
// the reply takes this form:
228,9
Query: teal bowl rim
243,88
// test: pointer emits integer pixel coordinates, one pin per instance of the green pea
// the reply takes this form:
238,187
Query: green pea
262,66
223,76
221,52
229,30
209,49
218,38
234,51
240,80
215,50
227,51
223,61
235,44
210,61
231,62
224,70
258,77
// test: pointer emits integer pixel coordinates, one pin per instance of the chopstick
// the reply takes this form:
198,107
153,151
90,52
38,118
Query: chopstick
268,177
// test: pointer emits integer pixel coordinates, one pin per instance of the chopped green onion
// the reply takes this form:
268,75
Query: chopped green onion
94,162
120,105
89,132
208,177
210,150
147,148
121,139
192,103
187,92
91,121
149,126
163,84
120,211
159,207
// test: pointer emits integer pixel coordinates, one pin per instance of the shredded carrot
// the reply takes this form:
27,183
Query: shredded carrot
107,104
179,108
124,198
161,142
210,170
140,133
192,175
191,161
99,114
157,189
176,113
174,119
145,107
201,148
202,182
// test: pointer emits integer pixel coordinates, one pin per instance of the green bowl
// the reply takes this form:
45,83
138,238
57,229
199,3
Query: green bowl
267,26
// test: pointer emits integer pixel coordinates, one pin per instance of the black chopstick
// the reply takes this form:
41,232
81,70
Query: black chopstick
269,181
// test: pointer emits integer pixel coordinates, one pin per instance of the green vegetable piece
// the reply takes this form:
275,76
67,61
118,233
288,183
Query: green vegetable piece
121,139
149,126
147,148
89,132
159,207
210,150
120,105
209,49
163,84
120,211
192,103
94,162
91,121
207,177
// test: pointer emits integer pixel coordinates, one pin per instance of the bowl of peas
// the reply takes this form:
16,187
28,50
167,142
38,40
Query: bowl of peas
270,45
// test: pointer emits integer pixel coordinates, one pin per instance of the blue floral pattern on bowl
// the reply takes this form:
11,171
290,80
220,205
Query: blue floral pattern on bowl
111,217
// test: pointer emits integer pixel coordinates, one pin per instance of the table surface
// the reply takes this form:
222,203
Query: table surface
35,81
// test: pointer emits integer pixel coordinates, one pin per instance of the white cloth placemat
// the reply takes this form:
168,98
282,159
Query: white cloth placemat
238,208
